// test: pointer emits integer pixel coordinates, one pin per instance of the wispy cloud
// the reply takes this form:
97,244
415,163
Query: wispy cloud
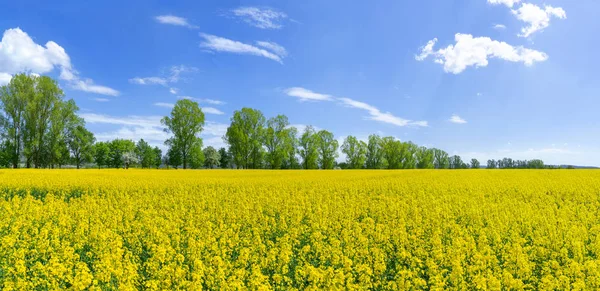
174,20
221,44
274,47
101,99
212,110
536,17
19,53
173,76
307,95
203,100
163,104
373,112
264,18
499,26
475,51
378,115
457,119
508,3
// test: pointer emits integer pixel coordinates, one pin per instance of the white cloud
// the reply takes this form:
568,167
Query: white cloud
221,44
274,47
508,3
148,81
101,99
173,76
377,115
174,20
88,85
374,113
265,18
307,95
19,53
499,26
203,100
163,104
536,17
470,51
457,119
212,110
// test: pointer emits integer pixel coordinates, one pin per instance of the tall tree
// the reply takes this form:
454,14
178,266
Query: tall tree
491,164
309,150
13,98
102,154
441,159
375,153
392,152
173,157
328,149
185,122
425,158
196,156
356,152
118,149
225,158
81,143
145,154
212,157
244,137
277,140
456,162
157,157
475,164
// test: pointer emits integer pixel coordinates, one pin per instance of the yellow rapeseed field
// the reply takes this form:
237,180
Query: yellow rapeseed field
299,230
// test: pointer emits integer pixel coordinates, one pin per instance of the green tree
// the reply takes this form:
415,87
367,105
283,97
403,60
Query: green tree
185,122
309,150
475,164
212,157
392,152
425,158
441,159
13,98
244,137
375,153
196,156
81,142
356,152
456,162
327,147
118,148
173,157
157,157
145,154
225,158
102,154
277,139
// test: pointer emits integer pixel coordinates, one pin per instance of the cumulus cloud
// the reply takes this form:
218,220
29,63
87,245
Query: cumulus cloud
174,20
536,17
264,18
19,53
307,95
475,51
220,44
373,112
509,3
457,119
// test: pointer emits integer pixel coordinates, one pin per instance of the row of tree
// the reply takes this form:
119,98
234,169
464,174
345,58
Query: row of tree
39,128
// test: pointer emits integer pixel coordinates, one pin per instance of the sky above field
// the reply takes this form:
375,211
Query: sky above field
478,78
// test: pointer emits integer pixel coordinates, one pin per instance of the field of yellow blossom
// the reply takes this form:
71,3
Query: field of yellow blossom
299,230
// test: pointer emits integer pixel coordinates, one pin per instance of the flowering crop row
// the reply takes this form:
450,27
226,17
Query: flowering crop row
299,230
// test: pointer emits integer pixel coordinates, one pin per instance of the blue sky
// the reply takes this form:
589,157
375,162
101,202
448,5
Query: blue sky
479,78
